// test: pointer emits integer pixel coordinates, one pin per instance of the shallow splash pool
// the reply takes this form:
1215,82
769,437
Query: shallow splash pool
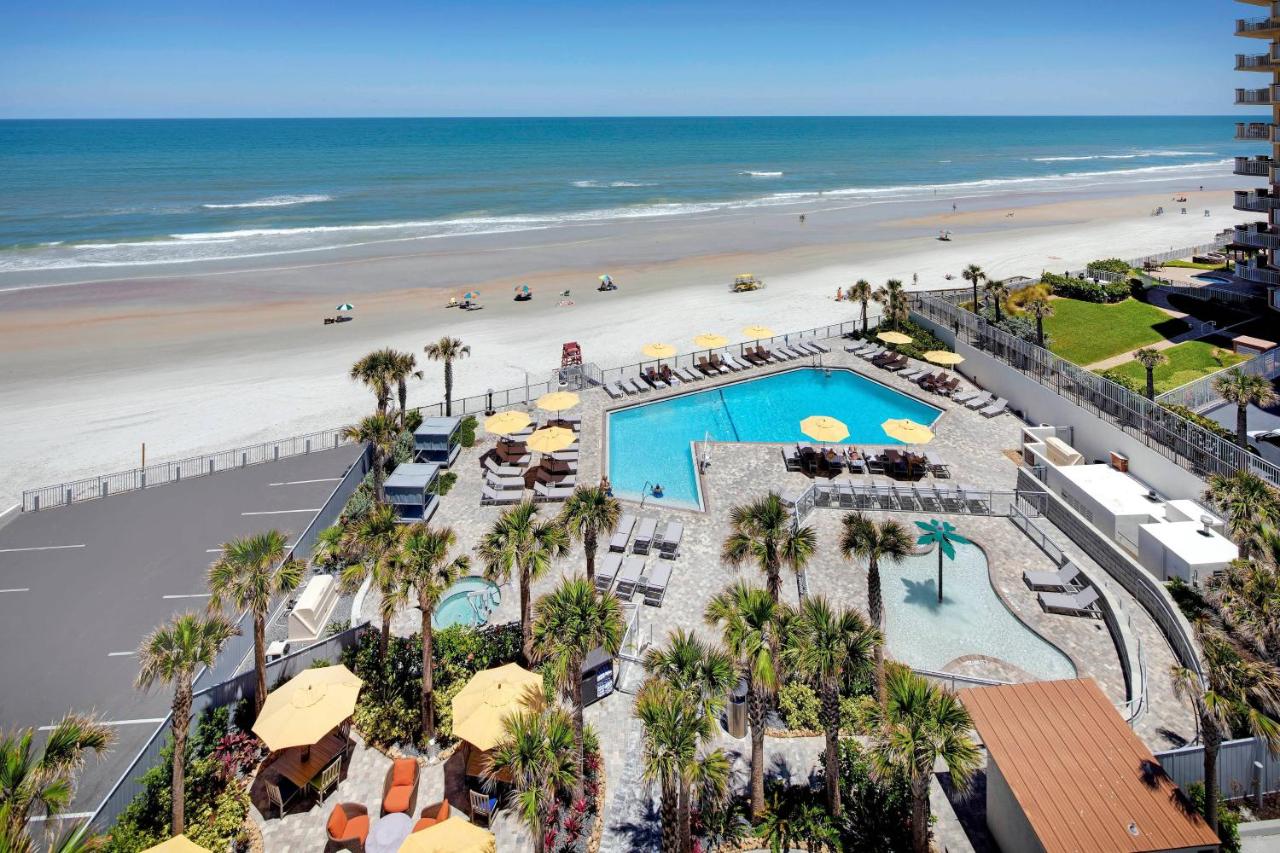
650,443
971,621
469,601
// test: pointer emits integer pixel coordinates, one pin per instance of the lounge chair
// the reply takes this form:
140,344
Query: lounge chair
498,470
668,541
897,363
820,347
618,542
914,373
644,536
845,496
614,390
636,386
863,347
705,366
543,492
655,585
853,349
947,386
929,381
490,495
687,374
607,571
565,456
936,465
739,363
651,376
1080,603
874,351
1063,578
977,500
981,401
629,577
766,356
503,483
965,396
791,458
996,408
722,365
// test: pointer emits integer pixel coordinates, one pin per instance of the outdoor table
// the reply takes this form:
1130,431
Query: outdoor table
293,767
388,833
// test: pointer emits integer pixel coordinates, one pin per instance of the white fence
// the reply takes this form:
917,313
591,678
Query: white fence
1200,394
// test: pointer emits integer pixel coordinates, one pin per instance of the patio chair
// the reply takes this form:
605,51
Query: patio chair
819,346
896,363
668,541
400,786
725,363
618,542
348,826
853,349
635,385
874,462
733,359
977,500
497,469
431,815
542,492
607,571
914,373
655,586
978,402
927,498
966,396
651,376
1063,578
937,467
629,577
504,483
614,390
482,805
687,374
494,497
328,778
951,499
1080,603
854,461
947,387
791,458
644,536
996,408
863,495
705,366
844,495
280,793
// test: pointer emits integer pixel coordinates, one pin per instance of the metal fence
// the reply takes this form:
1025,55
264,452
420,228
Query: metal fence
216,696
923,496
1243,299
1169,434
1245,767
1200,394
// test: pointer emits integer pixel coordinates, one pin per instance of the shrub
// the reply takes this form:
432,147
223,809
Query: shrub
467,431
1114,265
876,812
799,706
444,483
1228,817
404,449
1201,421
1124,381
1085,289
1019,298
412,420
856,714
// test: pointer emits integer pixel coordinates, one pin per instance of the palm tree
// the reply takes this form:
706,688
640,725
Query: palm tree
893,297
588,512
702,676
672,732
422,564
1247,594
761,532
171,654
997,291
829,647
448,350
401,367
1244,389
374,370
537,756
1040,307
43,779
862,537
520,543
251,571
750,621
374,540
380,432
1150,358
570,623
922,724
1249,503
974,274
861,293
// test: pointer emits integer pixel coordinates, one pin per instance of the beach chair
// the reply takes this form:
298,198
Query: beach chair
644,536
951,499
618,542
490,496
874,462
791,458
980,401
607,571
614,390
629,577
543,492
966,396
947,387
722,365
503,483
929,381
766,356
499,470
655,585
872,352
996,408
883,357
927,498
937,467
853,349
853,459
1083,602
651,376
820,347
844,495
738,362
896,364
914,373
975,499
1064,578
668,540
687,374
705,366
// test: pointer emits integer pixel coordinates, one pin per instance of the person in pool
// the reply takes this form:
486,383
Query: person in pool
657,490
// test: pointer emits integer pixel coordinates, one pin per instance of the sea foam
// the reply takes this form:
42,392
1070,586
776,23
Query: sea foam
271,201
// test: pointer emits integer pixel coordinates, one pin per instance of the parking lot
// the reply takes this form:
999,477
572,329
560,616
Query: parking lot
81,586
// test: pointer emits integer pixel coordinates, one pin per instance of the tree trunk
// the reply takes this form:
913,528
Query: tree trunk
875,608
975,296
181,722
1151,383
773,571
448,388
864,317
755,711
575,691
684,818
1040,332
384,635
428,674
259,661
831,726
939,572
1242,425
1212,740
403,394
920,815
526,629
589,545
670,820
539,841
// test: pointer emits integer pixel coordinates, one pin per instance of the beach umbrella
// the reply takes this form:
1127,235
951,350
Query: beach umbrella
346,306
471,294
505,423
658,350
824,428
177,844
605,279
453,835
943,357
522,288
709,340
550,439
557,401
492,694
306,709
757,332
907,431
894,338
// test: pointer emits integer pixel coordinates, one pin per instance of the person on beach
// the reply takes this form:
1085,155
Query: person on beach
953,207
802,219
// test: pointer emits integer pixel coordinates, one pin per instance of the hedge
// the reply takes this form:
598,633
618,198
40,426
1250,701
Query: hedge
1086,289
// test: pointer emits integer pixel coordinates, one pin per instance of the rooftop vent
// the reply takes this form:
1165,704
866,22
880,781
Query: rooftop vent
1133,829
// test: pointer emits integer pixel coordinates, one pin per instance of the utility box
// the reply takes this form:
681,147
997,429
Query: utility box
313,609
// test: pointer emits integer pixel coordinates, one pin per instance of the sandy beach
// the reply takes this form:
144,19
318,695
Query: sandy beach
191,358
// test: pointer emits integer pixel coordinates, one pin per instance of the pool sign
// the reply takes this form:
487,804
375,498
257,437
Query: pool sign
943,533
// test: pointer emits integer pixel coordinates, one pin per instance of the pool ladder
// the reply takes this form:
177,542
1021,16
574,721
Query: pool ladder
482,604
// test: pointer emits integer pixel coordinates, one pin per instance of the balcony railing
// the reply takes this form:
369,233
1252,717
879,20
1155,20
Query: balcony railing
1253,130
1256,97
1258,275
1257,239
1253,166
1257,202
1257,26
1254,62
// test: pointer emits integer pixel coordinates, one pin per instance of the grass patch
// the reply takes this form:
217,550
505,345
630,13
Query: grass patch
1187,362
1085,332
1192,265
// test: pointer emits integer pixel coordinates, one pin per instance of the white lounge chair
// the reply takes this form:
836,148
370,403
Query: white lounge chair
614,390
686,374
607,571
1063,578
741,364
655,585
996,408
543,492
966,396
1080,603
668,541
504,483
490,496
499,470
618,542
820,347
644,536
629,577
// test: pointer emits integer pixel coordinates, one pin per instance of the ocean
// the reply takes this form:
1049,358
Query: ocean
136,192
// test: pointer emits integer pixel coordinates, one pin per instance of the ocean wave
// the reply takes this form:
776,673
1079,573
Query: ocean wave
600,185
272,201
1137,155
752,174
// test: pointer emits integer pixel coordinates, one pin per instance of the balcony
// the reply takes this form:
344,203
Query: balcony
1259,166
1258,201
1256,131
1257,235
1256,61
1257,275
1253,97
1264,27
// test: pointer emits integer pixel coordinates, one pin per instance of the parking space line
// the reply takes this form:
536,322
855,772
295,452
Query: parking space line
41,548
304,482
17,589
188,595
281,511
122,654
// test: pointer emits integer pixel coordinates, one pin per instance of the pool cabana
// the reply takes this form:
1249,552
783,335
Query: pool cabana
436,440
411,490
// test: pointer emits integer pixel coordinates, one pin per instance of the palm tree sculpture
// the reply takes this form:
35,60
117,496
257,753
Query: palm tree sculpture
1040,307
751,622
401,367
448,350
374,370
1249,502
522,544
43,779
380,432
423,566
1244,389
588,512
537,757
922,724
569,623
171,654
829,647
861,293
893,297
998,292
374,541
761,532
862,537
251,571
1236,694
943,534
974,275
1150,358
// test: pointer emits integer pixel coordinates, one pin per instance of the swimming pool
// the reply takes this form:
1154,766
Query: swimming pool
970,621
650,442
469,601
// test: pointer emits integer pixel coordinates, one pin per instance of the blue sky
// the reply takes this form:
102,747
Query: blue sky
132,58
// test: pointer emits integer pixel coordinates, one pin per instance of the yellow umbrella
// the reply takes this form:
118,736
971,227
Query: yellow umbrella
483,702
658,350
907,431
550,439
306,709
708,340
757,332
454,835
823,428
557,401
177,844
505,423
894,338
944,357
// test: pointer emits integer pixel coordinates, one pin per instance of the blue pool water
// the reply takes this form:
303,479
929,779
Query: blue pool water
650,443
971,620
469,601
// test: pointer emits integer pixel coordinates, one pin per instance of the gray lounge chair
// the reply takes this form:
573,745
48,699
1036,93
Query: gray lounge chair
966,396
1080,603
872,353
687,375
980,401
607,571
1063,578
490,496
629,577
618,542
996,408
655,585
853,349
741,365
504,483
614,390
543,492
668,540
634,386
937,466
723,364
914,373
644,536
499,470
820,347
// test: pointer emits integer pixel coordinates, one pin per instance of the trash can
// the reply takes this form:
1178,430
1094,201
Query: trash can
736,712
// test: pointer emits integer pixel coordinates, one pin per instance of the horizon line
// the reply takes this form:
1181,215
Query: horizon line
611,116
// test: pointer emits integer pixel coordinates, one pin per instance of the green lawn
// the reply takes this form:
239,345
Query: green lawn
1192,265
1085,332
1187,362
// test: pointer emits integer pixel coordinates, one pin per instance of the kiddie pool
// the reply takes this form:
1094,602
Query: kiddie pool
470,601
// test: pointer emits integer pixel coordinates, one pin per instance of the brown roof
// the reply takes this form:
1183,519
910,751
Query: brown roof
1078,772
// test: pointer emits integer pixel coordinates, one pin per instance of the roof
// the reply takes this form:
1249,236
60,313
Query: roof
1119,492
438,426
412,475
1190,541
1256,343
1082,778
